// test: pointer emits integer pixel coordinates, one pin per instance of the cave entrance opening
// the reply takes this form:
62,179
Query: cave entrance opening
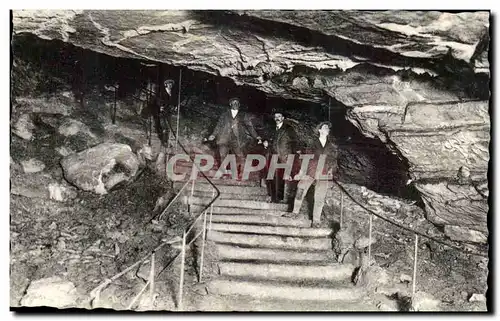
362,160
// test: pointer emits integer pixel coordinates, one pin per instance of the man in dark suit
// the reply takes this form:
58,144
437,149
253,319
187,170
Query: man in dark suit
233,132
282,143
161,107
318,172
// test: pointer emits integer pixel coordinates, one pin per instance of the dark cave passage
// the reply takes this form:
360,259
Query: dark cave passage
362,160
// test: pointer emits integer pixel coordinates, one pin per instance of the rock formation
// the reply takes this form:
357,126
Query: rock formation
418,81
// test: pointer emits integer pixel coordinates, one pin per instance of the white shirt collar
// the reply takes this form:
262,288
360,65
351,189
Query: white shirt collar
234,112
279,125
322,140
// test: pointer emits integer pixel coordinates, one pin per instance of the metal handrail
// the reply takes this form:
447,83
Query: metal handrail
188,230
407,228
95,293
415,232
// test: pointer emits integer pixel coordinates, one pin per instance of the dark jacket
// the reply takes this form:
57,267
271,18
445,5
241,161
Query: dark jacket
330,150
160,98
283,141
241,126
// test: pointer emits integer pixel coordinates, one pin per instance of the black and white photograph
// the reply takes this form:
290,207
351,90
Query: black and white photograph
250,161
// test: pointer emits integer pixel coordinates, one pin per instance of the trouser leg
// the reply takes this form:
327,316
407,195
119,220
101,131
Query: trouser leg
278,185
237,151
319,199
223,150
302,188
240,157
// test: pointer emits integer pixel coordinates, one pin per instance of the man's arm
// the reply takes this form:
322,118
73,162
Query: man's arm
293,140
334,153
250,127
218,127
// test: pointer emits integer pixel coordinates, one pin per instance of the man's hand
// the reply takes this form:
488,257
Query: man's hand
211,137
299,176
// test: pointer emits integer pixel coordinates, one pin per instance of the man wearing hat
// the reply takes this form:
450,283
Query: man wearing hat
161,107
233,131
282,143
324,146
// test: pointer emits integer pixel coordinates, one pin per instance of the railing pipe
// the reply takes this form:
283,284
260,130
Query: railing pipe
152,279
181,281
370,241
414,280
341,208
203,243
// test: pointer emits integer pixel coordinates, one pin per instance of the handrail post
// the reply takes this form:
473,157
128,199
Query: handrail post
181,281
192,186
152,279
370,241
211,210
341,207
204,235
178,110
113,113
414,280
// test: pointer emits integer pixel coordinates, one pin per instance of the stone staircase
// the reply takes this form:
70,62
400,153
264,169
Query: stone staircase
269,262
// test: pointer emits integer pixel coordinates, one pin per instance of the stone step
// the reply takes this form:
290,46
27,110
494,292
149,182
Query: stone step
229,252
279,291
334,272
229,182
232,189
233,196
239,211
271,241
272,230
242,303
260,220
260,205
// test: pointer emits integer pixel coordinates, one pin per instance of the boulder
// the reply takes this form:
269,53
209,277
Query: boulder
101,167
343,242
477,298
14,166
24,127
72,127
405,278
364,242
61,193
371,276
32,166
459,233
64,151
425,302
54,105
51,292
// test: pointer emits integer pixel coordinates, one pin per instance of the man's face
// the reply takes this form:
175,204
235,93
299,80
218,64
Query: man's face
278,118
168,85
324,130
234,104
